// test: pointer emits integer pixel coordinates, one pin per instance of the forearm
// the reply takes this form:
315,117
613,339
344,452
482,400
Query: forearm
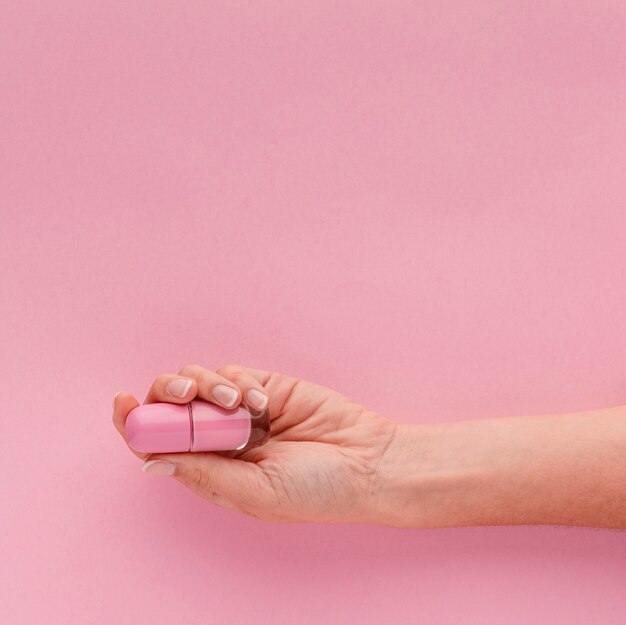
567,469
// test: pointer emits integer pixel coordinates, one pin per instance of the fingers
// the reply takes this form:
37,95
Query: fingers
175,389
123,403
254,394
213,387
225,481
261,376
227,387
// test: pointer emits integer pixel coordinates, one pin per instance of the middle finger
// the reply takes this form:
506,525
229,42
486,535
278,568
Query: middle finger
213,387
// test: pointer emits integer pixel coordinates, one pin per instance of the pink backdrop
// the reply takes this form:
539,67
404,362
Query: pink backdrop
420,204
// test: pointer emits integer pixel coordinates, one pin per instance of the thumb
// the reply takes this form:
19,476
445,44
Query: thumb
222,480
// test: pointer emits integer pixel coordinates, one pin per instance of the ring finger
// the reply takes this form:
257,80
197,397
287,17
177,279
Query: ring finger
254,393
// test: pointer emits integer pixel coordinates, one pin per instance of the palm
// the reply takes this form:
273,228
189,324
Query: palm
321,459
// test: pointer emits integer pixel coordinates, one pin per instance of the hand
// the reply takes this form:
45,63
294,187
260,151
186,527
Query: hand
320,464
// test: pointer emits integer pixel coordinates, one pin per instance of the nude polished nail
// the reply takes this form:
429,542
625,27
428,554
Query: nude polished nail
225,394
196,426
179,387
257,399
159,467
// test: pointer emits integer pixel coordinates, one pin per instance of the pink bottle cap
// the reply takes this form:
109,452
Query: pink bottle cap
159,428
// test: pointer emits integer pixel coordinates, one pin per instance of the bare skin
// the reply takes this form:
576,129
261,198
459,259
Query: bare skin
330,459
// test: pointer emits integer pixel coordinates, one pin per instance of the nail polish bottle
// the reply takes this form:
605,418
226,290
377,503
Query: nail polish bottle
196,426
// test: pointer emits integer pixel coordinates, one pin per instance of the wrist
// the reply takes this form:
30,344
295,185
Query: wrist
553,469
431,476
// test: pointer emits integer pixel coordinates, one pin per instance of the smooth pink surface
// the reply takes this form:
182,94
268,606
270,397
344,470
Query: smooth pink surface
160,427
419,204
218,429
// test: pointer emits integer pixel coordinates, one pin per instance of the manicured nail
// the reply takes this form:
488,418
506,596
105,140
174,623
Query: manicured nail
257,399
159,467
225,394
178,387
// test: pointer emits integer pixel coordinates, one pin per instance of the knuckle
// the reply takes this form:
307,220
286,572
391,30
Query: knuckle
188,370
161,381
232,372
199,479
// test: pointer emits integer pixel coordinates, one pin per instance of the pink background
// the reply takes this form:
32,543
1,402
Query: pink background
419,204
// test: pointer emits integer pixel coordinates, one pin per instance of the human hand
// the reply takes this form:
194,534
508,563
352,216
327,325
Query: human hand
320,464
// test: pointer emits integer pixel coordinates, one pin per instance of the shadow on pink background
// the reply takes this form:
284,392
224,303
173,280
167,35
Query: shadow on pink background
419,204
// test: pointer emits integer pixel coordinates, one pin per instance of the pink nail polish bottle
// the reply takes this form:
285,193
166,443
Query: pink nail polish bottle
196,426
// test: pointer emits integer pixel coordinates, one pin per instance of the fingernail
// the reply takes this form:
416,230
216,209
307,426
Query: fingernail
225,394
178,387
159,467
257,399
